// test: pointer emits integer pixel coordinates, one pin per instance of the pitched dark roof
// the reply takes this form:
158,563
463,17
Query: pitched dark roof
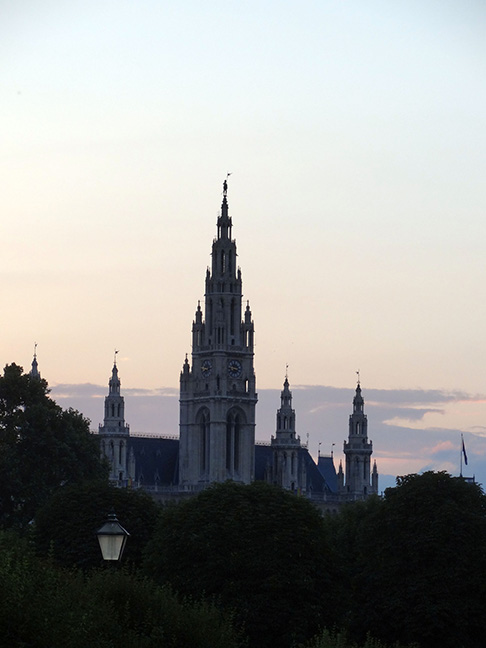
156,460
325,465
157,463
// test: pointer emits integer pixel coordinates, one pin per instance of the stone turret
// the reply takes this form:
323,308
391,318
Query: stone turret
358,482
288,468
114,433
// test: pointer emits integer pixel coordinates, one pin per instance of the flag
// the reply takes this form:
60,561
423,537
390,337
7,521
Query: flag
464,451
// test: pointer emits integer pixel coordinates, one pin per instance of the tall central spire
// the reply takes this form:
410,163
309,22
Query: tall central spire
223,294
218,396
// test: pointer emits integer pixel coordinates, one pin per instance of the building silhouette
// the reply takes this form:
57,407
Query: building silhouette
217,412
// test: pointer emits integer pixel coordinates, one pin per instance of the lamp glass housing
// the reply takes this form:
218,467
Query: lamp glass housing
112,538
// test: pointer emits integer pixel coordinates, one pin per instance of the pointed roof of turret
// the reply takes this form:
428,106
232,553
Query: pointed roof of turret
224,221
34,372
286,394
358,400
114,383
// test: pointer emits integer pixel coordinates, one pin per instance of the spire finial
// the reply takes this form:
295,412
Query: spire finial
114,358
35,350
357,373
286,371
225,185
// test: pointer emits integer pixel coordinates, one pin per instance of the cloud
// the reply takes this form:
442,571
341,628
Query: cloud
82,390
443,446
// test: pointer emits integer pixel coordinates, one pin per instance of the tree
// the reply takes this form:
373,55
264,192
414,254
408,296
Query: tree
65,527
258,549
415,563
42,447
43,606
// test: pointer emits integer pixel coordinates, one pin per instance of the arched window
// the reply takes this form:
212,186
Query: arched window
203,422
234,421
232,317
236,455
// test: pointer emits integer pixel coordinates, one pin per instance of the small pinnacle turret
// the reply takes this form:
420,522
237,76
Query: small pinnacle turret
114,432
358,451
288,468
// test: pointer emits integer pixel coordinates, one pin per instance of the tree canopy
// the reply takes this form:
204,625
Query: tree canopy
42,606
65,527
257,549
42,447
415,562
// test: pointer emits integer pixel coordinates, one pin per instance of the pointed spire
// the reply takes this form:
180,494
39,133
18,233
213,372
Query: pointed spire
358,400
285,432
114,383
286,394
34,372
224,221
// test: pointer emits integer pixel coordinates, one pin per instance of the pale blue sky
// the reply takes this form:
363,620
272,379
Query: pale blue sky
356,135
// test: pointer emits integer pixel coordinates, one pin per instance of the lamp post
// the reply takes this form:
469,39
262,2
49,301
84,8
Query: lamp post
112,538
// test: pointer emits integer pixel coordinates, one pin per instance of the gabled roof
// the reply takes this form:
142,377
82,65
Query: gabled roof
325,465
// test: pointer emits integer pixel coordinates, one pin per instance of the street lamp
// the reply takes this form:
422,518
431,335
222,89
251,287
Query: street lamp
112,538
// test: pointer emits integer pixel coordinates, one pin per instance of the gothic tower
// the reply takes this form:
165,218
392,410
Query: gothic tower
217,390
114,434
287,470
358,451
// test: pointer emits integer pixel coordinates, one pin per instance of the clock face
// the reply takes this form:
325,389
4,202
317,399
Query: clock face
234,368
206,368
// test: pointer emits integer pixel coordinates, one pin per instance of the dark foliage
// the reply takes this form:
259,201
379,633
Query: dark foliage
258,550
65,527
42,447
415,563
42,607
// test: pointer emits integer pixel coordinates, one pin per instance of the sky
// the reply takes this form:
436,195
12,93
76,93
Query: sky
355,133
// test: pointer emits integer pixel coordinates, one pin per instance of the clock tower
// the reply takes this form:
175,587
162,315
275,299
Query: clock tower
217,388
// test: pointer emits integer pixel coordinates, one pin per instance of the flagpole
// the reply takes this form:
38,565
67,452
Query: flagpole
460,452
463,451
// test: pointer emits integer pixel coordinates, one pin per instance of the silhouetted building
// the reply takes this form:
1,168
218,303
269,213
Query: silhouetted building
217,412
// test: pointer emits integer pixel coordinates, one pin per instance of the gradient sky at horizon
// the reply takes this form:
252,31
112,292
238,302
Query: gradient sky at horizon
356,137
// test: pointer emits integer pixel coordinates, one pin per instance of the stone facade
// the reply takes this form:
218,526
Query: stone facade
217,390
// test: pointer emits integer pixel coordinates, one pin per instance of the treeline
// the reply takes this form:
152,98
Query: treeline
236,566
